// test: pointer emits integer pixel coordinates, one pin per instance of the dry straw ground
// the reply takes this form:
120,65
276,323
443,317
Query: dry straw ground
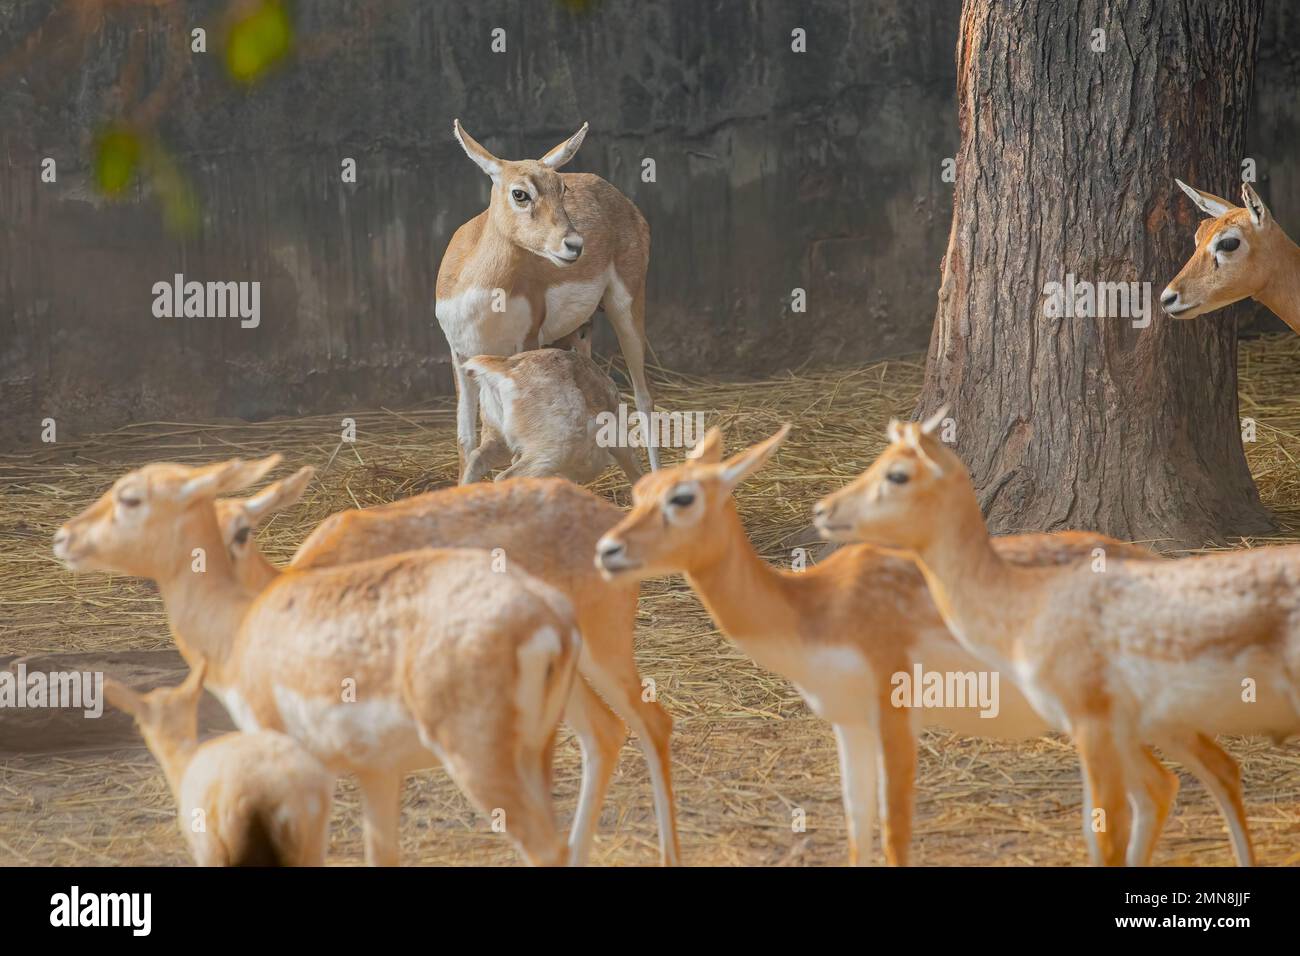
746,750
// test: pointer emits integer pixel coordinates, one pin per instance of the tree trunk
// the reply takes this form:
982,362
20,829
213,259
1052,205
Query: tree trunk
1066,167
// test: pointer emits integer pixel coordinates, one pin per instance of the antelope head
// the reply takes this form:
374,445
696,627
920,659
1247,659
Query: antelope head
903,500
168,717
677,513
1238,249
527,205
150,520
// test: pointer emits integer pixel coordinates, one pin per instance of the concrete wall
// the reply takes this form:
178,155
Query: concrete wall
1273,133
775,170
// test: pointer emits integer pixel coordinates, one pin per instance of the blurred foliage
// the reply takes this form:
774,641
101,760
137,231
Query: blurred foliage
179,201
122,155
258,36
117,159
258,41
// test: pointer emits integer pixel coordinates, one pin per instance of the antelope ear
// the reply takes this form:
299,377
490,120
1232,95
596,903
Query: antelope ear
1250,199
278,496
122,697
708,449
226,477
894,432
565,151
934,421
485,160
752,459
1208,203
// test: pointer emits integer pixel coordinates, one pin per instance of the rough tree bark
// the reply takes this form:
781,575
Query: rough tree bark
1066,166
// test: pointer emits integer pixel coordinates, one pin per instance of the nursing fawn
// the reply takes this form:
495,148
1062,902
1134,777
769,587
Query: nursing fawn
376,668
1164,653
541,418
548,527
840,631
243,799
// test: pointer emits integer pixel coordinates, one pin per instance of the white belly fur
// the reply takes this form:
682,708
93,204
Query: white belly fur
1016,718
349,736
835,681
472,328
570,304
1207,695
240,713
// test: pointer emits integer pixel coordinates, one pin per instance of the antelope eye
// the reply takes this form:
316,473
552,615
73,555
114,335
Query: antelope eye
1227,245
126,501
519,196
683,499
241,536
898,477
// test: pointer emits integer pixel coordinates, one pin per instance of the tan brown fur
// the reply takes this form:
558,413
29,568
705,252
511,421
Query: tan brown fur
1144,653
375,668
1265,267
858,600
518,249
539,417
548,527
234,787
239,518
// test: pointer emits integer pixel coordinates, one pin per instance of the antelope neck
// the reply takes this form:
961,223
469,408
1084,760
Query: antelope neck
980,596
747,597
205,607
1281,294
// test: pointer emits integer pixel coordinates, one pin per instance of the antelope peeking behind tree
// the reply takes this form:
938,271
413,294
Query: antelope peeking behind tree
533,267
1241,252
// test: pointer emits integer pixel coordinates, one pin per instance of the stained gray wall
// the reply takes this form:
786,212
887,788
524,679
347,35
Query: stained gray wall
1273,132
775,170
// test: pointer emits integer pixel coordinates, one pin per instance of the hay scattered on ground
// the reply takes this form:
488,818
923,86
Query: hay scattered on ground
746,751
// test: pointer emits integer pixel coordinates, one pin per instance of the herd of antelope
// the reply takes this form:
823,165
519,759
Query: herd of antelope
461,627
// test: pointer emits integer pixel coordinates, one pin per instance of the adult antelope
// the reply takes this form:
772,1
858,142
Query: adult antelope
548,527
1241,252
531,269
261,799
1168,653
841,631
376,668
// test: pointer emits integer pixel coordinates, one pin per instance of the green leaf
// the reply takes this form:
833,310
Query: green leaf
117,158
258,42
